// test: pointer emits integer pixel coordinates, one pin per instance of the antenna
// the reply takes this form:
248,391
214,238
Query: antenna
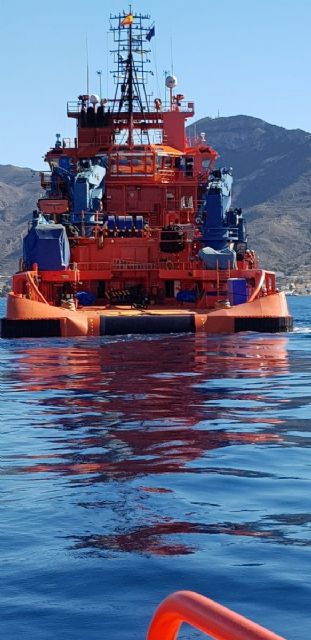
172,62
87,66
107,63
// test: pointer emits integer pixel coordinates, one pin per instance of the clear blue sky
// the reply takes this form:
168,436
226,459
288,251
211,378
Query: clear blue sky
237,56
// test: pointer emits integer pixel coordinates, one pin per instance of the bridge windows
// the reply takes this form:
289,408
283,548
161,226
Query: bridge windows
129,164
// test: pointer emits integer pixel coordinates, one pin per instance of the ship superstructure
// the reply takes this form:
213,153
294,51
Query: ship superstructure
135,215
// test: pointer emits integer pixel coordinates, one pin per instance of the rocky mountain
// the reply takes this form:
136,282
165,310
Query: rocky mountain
19,192
272,183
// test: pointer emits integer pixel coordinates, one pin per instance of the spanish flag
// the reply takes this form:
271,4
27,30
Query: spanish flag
127,20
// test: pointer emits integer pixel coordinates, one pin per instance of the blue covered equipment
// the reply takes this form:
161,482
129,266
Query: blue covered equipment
46,245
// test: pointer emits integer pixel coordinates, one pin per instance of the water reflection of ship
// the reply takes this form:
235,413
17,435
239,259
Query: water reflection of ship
149,417
129,415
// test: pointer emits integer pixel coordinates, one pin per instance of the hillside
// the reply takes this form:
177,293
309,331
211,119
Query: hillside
19,191
272,183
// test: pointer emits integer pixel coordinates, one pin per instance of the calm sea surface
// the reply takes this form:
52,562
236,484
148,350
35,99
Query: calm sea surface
133,467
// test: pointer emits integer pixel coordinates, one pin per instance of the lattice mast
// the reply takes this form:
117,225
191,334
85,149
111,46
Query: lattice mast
131,54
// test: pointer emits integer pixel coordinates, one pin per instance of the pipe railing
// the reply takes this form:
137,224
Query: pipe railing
186,106
258,287
33,292
204,614
121,265
167,265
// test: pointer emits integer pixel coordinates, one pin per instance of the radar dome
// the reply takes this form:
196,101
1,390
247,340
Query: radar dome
170,82
94,99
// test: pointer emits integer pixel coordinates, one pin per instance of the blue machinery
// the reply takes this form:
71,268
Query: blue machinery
86,188
85,185
220,225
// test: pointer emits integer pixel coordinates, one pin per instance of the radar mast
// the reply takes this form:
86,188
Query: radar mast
131,54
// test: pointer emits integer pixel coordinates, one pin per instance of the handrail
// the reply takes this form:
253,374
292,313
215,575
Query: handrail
185,106
259,287
33,287
166,265
202,613
115,265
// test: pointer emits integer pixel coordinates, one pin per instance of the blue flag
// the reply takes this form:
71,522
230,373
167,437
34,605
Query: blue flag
150,33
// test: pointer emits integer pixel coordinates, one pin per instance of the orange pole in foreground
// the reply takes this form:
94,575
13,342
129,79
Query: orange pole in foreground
217,621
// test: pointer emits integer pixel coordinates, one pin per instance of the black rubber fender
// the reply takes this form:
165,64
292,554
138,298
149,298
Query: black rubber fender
146,324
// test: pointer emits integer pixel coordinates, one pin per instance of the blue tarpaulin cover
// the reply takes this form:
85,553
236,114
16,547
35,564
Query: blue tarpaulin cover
224,258
48,246
85,298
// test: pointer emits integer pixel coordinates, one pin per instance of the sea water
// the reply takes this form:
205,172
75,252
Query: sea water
135,466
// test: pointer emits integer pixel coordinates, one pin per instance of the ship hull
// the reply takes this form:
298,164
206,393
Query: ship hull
29,318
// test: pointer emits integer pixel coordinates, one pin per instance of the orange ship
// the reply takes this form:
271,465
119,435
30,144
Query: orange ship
136,233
